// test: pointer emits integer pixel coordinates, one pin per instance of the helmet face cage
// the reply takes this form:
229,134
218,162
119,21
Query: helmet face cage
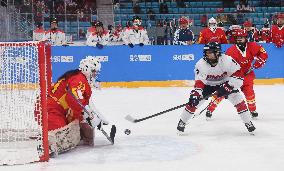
90,67
137,21
214,48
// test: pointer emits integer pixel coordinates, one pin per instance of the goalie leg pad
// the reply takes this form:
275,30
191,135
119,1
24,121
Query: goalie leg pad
87,134
65,138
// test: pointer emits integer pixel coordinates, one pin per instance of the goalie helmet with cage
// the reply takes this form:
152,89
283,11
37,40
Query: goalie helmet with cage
90,67
214,48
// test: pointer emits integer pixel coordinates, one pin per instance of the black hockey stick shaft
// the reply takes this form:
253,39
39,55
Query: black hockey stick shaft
160,113
128,117
83,107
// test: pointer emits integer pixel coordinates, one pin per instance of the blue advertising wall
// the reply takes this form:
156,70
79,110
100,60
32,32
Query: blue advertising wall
150,63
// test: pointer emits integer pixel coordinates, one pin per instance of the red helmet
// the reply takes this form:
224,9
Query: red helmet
241,33
183,20
247,24
280,15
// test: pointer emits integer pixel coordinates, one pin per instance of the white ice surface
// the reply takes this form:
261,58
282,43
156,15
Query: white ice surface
222,144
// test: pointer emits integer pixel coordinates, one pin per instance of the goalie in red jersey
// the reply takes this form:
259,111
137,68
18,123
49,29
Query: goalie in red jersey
244,53
68,98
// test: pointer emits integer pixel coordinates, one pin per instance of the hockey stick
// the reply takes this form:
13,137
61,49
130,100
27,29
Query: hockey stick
113,128
133,120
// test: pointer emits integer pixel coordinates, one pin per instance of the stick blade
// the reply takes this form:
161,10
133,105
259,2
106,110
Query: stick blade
130,119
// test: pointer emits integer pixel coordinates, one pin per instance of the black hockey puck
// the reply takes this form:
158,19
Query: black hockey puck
127,131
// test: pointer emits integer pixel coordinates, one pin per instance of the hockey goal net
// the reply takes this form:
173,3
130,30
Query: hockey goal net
25,76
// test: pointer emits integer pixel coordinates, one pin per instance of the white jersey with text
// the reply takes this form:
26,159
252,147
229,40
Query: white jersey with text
222,72
38,35
95,38
56,37
135,37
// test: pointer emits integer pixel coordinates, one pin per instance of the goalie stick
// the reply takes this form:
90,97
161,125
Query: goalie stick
113,128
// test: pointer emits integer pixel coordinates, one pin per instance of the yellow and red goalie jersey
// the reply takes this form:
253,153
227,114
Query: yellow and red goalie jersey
245,59
79,86
206,36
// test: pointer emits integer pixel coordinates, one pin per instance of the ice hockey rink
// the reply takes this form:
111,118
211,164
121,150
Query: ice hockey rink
221,144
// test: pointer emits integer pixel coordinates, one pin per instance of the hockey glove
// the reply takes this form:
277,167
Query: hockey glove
131,45
141,44
258,64
224,90
194,98
100,46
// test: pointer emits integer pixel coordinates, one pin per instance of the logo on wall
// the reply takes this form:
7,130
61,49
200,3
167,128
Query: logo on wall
63,59
100,58
140,58
184,57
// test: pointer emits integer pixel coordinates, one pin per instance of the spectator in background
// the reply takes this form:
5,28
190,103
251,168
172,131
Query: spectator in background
135,35
91,29
160,33
277,31
100,37
55,35
164,8
212,33
39,33
183,35
231,33
136,8
151,14
252,32
203,20
117,35
265,33
180,3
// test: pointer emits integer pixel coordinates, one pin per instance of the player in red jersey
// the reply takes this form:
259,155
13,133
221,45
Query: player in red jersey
212,33
277,31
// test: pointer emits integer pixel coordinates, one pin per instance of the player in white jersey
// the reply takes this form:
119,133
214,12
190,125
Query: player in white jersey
218,74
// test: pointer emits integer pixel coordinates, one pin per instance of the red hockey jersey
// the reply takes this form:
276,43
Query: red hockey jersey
277,35
245,59
206,36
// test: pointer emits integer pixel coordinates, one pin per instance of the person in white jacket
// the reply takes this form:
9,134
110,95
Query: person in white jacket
100,37
55,35
39,33
135,35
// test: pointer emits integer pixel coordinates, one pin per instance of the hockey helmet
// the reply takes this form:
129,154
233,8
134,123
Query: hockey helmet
247,24
241,33
280,15
214,48
99,24
136,21
38,24
53,20
183,20
90,67
212,24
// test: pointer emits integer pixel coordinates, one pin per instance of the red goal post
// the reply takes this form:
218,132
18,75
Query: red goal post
25,78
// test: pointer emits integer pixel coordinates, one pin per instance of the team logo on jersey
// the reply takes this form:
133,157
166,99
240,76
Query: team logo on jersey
216,77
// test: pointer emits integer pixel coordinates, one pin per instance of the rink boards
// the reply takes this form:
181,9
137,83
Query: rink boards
152,66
